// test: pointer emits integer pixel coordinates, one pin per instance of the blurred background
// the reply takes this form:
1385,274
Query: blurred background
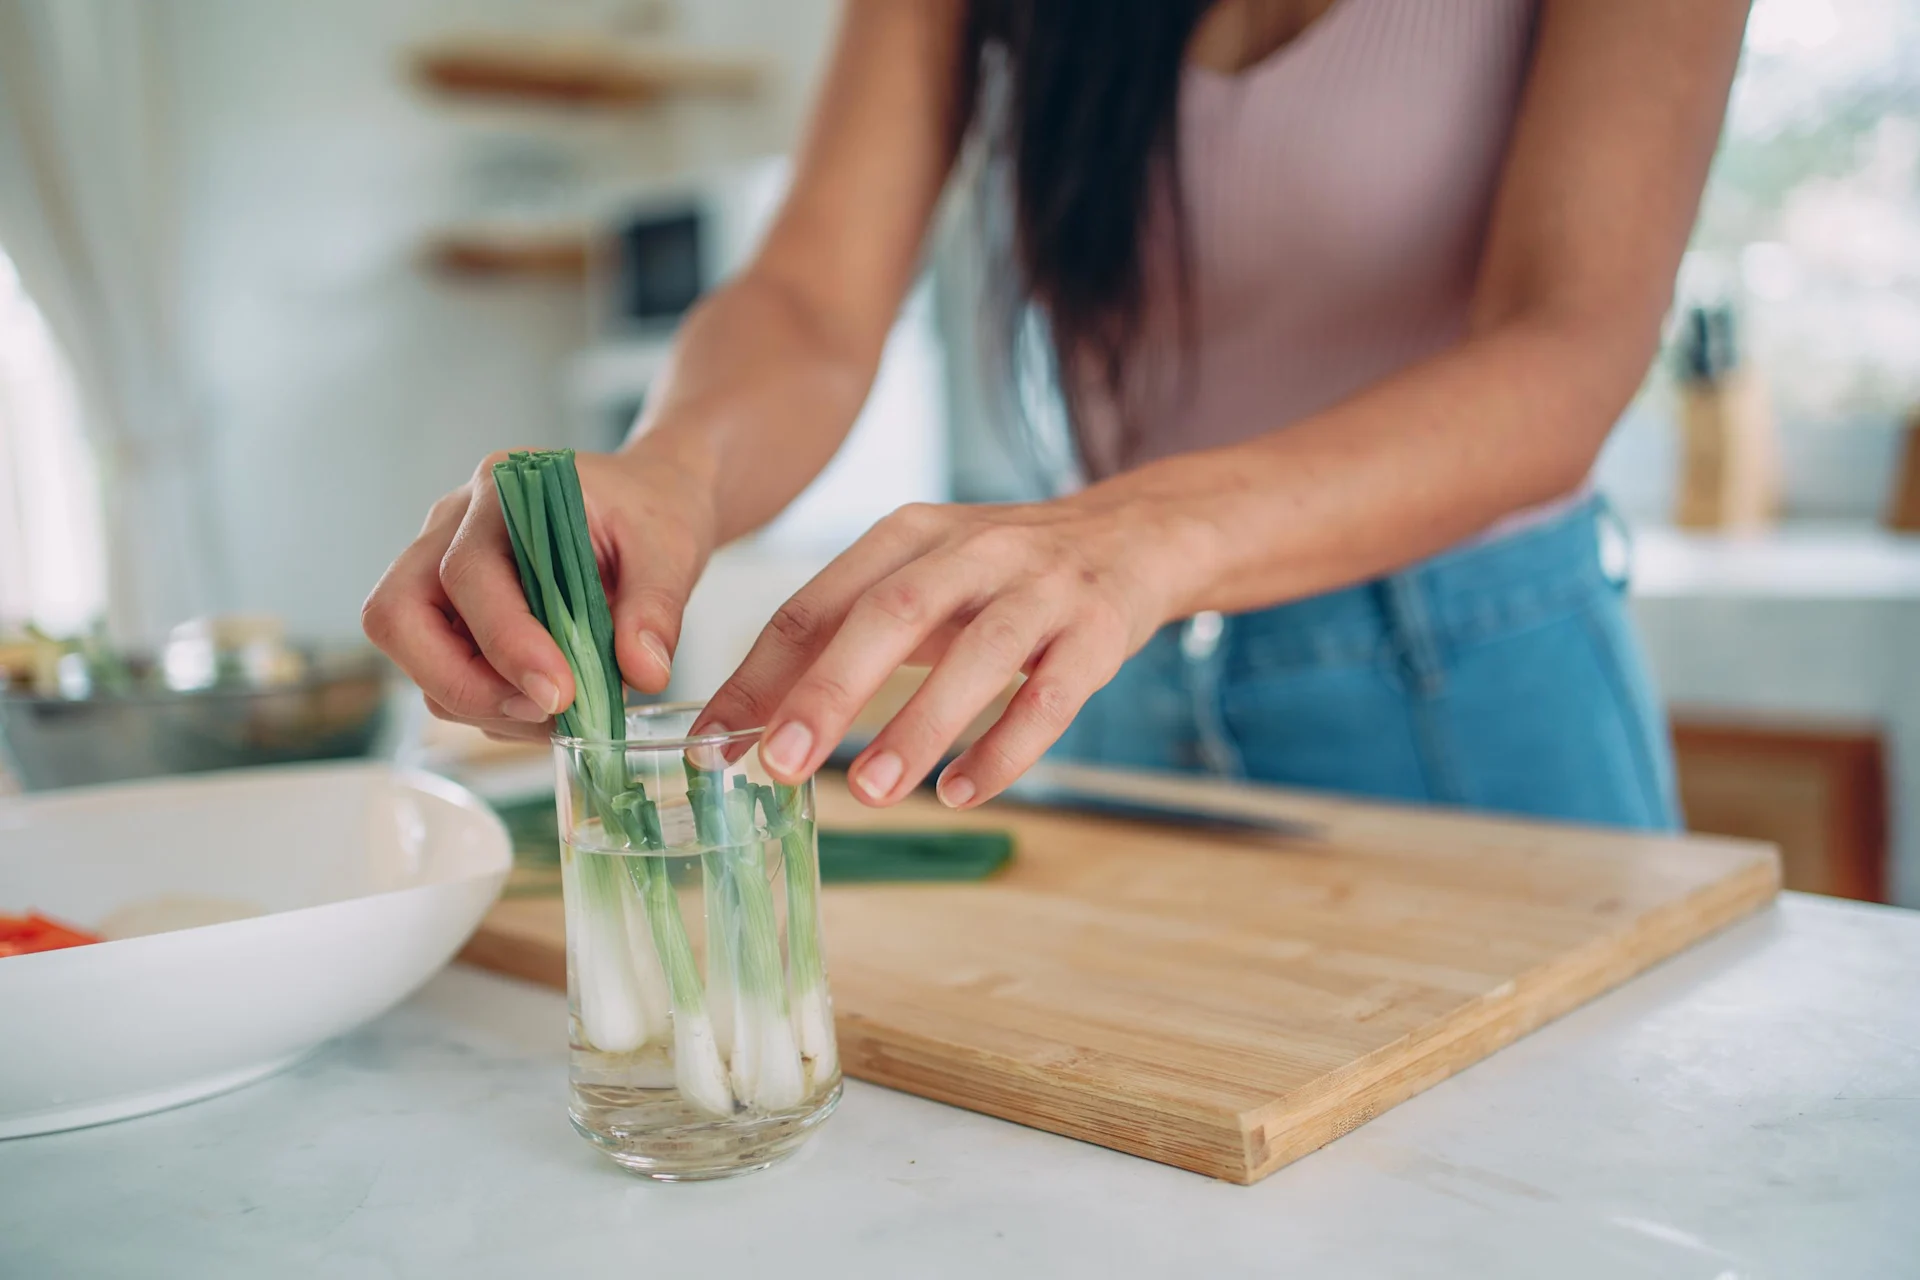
274,277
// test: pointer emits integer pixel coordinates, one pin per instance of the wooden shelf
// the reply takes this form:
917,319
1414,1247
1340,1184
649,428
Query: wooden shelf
560,254
580,71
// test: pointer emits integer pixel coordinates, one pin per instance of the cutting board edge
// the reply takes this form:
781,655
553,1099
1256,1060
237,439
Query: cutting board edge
1327,1110
1015,1092
513,956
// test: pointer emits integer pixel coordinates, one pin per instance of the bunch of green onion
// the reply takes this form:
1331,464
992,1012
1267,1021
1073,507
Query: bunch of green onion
753,1034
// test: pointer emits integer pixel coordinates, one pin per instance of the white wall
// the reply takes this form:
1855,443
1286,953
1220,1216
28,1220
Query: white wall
345,388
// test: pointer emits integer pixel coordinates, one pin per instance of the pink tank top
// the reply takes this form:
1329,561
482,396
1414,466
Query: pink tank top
1337,198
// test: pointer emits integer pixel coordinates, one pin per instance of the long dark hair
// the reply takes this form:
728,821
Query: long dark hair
1089,134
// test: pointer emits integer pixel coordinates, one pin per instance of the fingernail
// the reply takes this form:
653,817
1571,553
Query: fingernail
955,789
521,707
788,748
657,649
708,755
878,775
544,692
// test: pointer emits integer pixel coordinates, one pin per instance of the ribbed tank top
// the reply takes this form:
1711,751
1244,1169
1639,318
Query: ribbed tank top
1337,196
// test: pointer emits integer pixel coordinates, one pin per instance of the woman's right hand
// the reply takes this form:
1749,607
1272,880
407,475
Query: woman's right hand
450,612
768,373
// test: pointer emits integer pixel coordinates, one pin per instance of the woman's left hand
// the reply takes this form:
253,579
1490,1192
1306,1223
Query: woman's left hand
1062,591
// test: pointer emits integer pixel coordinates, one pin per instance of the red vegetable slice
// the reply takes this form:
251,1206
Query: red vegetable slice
23,935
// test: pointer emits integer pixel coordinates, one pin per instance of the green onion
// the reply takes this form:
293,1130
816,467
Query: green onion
547,524
806,970
697,1068
628,938
615,1011
763,1058
759,1034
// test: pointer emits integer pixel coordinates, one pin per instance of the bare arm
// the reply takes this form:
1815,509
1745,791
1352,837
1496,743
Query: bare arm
769,373
1601,184
767,378
1603,175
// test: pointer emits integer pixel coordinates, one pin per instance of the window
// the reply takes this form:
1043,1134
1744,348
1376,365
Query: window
1811,220
1810,231
52,556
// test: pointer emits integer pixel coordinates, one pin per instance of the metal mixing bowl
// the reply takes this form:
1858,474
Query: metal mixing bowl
336,708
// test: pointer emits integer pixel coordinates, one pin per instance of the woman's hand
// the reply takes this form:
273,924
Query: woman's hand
1061,591
451,613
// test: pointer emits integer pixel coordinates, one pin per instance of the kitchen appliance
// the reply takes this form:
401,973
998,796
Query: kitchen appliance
1229,1001
356,883
664,245
674,240
670,243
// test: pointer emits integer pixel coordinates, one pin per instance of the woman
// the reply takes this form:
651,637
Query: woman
1345,295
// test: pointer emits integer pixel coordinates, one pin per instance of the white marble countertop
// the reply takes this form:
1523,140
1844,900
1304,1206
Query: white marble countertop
1750,1109
1803,560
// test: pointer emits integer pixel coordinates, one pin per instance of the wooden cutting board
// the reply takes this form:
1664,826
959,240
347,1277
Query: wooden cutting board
1228,1003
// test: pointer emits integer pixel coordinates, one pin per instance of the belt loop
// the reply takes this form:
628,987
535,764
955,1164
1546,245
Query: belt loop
1412,631
1614,538
1203,655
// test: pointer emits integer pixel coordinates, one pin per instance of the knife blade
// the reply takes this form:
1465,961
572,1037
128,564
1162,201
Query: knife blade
1045,787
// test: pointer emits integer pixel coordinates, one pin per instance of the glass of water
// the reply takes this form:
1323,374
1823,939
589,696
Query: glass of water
701,1023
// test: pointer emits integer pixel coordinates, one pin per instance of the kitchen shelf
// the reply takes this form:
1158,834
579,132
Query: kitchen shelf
559,254
581,71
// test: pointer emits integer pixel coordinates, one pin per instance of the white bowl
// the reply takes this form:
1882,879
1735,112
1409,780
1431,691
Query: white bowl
371,878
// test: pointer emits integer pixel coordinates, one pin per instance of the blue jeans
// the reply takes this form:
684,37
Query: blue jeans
1500,676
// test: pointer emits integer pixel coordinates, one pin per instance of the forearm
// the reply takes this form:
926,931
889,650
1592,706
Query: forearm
770,371
1399,472
1600,185
756,398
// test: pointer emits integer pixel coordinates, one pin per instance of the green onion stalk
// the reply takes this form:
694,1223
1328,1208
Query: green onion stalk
764,1057
633,963
716,891
806,971
697,1069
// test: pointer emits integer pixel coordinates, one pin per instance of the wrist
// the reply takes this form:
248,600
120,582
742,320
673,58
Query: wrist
1167,548
689,457
676,477
1183,546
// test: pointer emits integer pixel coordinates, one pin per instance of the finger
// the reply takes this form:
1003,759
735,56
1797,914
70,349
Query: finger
801,628
406,616
480,580
977,668
1074,665
934,647
882,629
498,730
426,645
652,583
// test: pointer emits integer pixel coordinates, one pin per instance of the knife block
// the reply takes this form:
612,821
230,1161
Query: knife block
1730,472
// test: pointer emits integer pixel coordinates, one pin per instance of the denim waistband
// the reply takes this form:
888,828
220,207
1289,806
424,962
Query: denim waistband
1539,573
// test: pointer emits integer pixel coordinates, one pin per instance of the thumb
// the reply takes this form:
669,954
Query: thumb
648,602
